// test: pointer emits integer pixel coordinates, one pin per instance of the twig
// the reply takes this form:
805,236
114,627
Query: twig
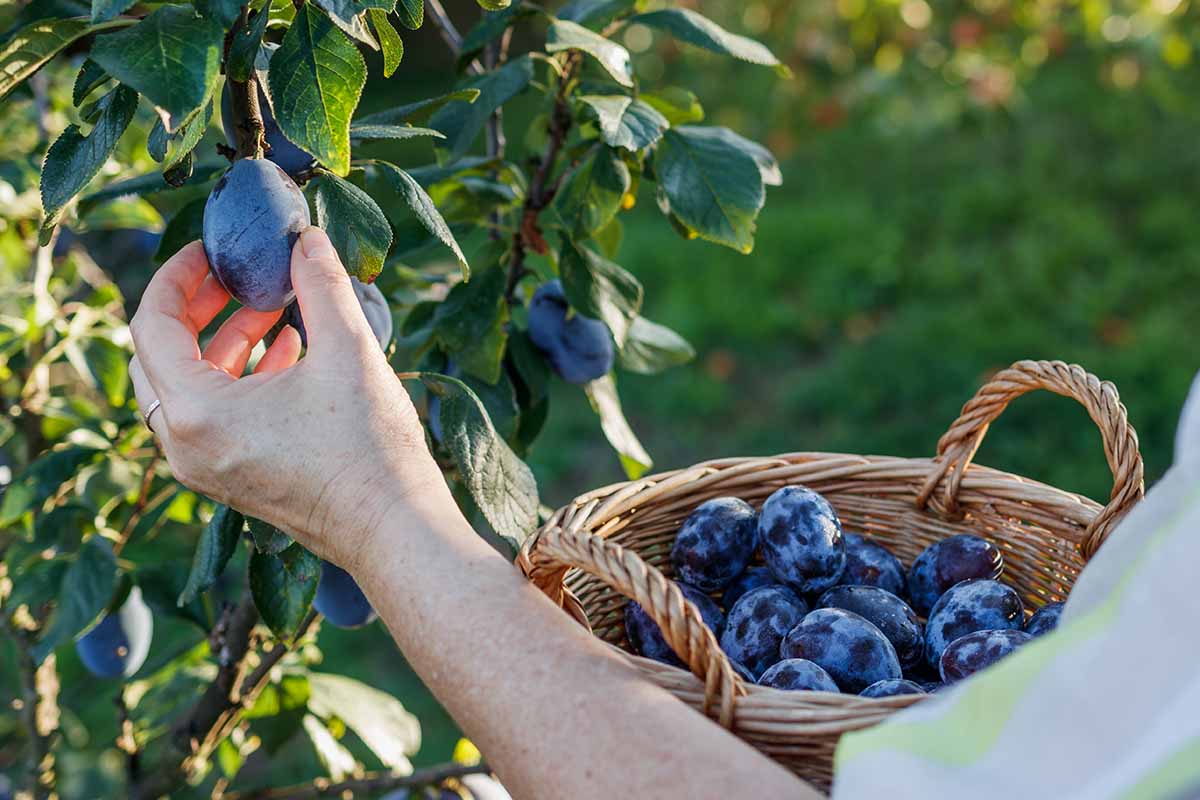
492,56
370,783
248,126
39,711
449,33
126,742
262,672
139,507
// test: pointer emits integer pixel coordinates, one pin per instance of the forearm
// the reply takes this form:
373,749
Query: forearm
556,713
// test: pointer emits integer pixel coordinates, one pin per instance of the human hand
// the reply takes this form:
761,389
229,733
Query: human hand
324,446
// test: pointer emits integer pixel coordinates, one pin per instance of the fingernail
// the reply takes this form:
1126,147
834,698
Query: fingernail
315,244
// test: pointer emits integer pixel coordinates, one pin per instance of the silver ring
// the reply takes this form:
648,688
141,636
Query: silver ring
149,412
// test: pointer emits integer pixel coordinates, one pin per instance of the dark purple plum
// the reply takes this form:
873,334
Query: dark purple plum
752,578
798,675
931,687
968,654
715,543
757,624
578,348
1044,620
885,611
373,304
871,564
291,158
252,219
978,605
845,645
801,539
950,561
742,672
340,599
891,688
646,638
117,646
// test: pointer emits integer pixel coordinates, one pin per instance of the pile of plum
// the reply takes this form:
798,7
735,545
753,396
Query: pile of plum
834,612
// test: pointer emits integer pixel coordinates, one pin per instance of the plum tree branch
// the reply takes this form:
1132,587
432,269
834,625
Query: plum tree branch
367,784
449,33
248,128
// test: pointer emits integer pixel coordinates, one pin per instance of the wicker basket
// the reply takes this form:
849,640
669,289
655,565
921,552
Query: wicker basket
614,544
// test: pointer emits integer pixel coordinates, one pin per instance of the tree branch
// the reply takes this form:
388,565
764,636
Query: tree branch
370,783
449,33
248,126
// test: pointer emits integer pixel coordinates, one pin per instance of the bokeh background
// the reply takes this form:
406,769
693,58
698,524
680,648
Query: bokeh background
965,184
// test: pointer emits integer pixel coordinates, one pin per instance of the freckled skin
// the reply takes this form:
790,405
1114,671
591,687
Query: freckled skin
798,675
646,638
757,624
978,605
251,221
801,539
852,650
975,651
291,158
715,543
1044,620
885,611
579,349
370,299
752,578
872,564
950,561
891,688
118,644
340,599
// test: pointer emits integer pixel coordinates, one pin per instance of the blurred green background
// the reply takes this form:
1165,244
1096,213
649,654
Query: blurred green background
966,184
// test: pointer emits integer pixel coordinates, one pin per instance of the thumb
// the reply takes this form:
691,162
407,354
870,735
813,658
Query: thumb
332,315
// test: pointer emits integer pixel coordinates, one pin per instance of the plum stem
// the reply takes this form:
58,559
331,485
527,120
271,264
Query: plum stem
369,783
248,126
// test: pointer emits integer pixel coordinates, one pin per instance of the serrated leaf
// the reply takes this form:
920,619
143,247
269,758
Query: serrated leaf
411,13
768,166
598,288
74,159
593,13
109,365
283,586
591,196
678,106
359,130
651,348
389,41
86,589
379,719
142,185
500,483
462,123
90,76
626,122
42,478
566,35
170,149
316,77
696,29
267,538
186,226
355,224
172,57
35,44
243,47
423,207
349,16
712,185
607,404
217,544
470,323
225,12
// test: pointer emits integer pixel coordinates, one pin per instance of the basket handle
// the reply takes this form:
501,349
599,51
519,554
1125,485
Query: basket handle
957,447
556,548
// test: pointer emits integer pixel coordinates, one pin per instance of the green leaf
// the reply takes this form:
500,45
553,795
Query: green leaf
651,348
470,323
74,159
218,542
349,16
359,130
186,226
679,106
591,196
426,212
243,47
565,35
44,477
626,122
607,404
358,229
379,719
225,12
493,5
161,585
594,13
86,589
693,28
104,10
596,287
711,185
500,483
411,13
316,77
389,41
35,44
291,693
489,28
90,76
142,185
172,57
283,587
419,108
172,148
768,166
267,538
462,123
109,365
